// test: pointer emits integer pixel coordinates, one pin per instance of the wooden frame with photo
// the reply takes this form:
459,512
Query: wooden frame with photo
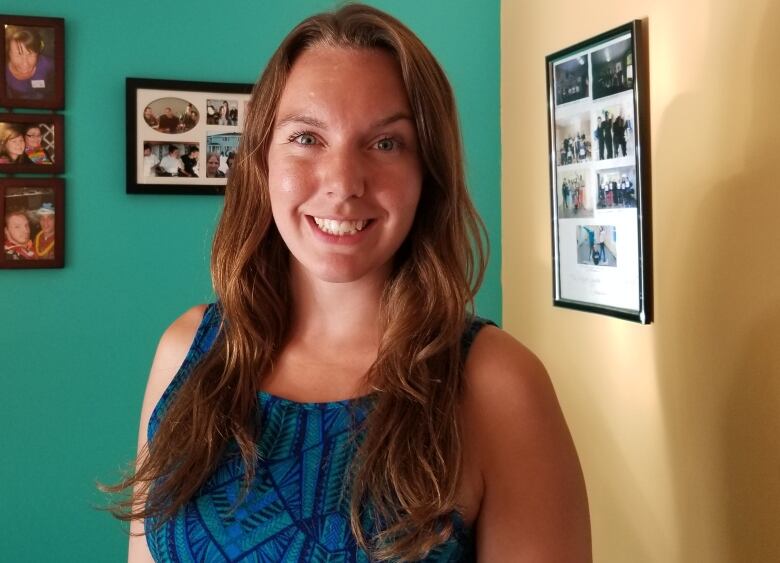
32,238
180,134
599,175
47,156
35,49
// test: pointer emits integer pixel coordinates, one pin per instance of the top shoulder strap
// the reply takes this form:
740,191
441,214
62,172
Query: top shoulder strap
204,339
473,325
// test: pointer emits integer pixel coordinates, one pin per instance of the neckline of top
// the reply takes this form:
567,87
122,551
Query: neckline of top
362,400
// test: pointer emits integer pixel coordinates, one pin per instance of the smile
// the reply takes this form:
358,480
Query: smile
340,228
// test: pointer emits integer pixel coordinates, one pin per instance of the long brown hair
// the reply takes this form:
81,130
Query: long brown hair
408,464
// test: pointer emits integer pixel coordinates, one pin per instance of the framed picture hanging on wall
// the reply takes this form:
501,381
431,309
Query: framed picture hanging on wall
33,62
31,143
182,137
33,223
599,175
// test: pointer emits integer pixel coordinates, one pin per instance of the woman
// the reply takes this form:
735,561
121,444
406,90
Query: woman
28,73
223,114
33,137
339,399
212,166
12,144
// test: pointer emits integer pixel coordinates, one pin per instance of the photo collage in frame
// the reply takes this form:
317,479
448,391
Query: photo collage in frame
595,113
182,136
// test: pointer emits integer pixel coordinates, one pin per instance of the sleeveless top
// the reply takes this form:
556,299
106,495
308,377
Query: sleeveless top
295,509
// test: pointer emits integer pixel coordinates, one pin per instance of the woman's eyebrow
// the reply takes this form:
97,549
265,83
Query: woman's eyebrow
301,118
398,116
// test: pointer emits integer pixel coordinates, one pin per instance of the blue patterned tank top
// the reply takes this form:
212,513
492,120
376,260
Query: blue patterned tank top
294,510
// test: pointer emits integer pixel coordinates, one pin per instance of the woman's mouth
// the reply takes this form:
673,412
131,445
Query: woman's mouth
340,228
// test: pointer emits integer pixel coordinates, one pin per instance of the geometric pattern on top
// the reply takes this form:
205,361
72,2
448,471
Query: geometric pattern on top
297,508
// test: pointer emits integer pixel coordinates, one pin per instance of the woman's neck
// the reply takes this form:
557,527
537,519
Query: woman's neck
335,314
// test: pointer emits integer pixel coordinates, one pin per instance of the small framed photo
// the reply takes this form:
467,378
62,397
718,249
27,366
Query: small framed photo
33,212
33,60
182,137
599,175
31,143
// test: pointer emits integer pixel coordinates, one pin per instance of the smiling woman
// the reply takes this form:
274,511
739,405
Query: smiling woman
341,400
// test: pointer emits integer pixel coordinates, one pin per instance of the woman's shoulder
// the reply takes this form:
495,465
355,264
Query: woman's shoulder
499,363
172,350
533,497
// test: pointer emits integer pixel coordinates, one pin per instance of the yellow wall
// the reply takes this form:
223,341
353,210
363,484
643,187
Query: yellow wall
677,423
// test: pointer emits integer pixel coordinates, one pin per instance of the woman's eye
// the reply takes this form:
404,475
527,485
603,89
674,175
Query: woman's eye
386,144
303,139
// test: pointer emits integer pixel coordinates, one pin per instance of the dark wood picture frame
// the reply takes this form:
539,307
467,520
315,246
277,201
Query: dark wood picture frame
50,124
598,130
197,131
38,197
51,56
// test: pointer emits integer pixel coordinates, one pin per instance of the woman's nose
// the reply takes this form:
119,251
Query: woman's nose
344,175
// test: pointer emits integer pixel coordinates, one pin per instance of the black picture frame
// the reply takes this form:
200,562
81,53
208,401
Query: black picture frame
29,200
45,89
600,174
49,155
182,116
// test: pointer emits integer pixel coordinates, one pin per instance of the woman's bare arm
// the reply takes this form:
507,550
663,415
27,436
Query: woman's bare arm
171,351
534,506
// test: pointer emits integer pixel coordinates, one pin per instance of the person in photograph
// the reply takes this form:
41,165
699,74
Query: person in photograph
29,74
12,144
599,135
212,166
619,135
17,244
341,400
168,123
222,118
212,115
233,116
150,161
229,162
150,118
190,117
43,243
33,138
606,128
602,242
171,163
190,161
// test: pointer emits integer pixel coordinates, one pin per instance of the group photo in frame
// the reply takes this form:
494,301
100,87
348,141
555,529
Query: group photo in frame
31,143
182,137
33,61
599,180
33,212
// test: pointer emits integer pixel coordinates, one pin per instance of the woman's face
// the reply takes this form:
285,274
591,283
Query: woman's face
32,137
14,146
21,60
212,165
344,169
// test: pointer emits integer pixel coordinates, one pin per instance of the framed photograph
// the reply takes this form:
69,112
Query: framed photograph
31,143
599,176
33,212
182,137
33,60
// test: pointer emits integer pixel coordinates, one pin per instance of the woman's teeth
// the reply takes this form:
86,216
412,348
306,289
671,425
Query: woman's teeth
339,228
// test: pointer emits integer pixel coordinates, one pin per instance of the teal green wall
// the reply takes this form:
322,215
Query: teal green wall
76,343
